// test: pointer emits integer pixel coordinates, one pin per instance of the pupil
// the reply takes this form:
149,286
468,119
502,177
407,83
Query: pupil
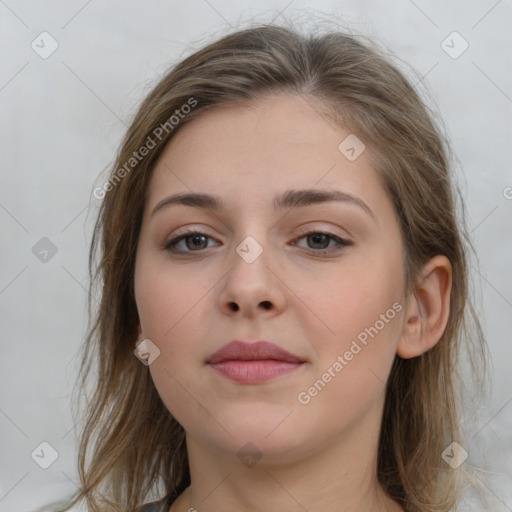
317,237
196,240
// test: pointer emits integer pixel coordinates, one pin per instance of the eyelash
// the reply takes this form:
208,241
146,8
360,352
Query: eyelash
170,246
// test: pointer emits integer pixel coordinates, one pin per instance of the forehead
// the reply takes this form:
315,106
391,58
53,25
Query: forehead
257,149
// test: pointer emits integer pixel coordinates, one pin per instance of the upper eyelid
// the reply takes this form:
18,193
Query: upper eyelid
201,231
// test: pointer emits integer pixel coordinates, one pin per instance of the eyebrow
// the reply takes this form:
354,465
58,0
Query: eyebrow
288,199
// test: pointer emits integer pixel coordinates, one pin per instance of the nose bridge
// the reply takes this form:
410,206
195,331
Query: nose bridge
250,283
250,261
250,250
251,231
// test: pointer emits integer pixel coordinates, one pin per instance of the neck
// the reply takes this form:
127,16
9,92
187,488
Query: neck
337,477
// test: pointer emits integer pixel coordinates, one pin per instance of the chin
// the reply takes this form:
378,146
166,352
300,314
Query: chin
272,430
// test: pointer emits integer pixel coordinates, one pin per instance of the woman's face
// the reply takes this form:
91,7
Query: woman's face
253,273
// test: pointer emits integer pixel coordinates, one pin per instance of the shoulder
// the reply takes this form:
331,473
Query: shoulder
155,506
161,505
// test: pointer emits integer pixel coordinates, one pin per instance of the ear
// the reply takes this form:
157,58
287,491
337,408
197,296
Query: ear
427,309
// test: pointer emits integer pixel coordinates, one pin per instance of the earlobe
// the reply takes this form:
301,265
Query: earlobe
427,310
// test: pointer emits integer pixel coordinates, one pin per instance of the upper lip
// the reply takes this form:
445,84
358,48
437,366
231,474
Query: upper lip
252,351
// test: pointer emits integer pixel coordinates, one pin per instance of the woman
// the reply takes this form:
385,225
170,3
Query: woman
279,230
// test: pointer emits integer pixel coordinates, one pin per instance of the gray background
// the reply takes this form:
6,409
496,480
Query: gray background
63,118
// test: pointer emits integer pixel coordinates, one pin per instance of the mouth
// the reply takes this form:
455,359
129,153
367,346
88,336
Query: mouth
253,363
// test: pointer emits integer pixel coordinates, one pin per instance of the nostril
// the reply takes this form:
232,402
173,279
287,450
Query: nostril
234,306
266,304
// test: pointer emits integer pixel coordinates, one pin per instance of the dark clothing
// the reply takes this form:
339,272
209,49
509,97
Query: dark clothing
159,506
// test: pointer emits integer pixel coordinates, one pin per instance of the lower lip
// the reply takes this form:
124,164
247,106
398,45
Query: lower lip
254,372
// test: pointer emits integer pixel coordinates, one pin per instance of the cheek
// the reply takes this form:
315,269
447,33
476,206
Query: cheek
360,311
168,301
354,360
173,311
352,298
169,309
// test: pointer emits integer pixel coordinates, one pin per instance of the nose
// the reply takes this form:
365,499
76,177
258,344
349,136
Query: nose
253,288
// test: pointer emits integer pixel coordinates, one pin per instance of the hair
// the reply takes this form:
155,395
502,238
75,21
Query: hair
138,444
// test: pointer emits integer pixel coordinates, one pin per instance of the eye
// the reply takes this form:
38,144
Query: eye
317,241
320,241
193,241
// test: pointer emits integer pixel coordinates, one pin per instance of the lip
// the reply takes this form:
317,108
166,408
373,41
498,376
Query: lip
253,362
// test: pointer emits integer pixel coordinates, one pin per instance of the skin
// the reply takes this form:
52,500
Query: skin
320,456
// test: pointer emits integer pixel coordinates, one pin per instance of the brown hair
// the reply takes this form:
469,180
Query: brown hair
138,442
